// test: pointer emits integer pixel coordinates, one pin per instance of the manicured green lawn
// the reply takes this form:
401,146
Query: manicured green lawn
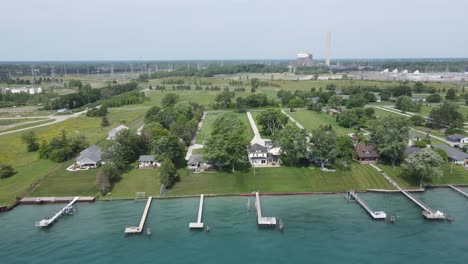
205,131
458,176
284,179
312,120
147,181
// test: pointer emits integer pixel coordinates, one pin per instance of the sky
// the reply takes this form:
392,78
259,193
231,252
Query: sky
231,29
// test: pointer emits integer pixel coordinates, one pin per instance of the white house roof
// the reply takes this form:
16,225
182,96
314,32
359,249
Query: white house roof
93,154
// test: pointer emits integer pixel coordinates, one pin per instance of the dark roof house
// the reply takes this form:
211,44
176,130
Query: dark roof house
366,153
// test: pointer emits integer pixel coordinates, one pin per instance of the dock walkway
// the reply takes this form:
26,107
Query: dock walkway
263,220
460,191
428,212
375,214
199,223
65,210
139,229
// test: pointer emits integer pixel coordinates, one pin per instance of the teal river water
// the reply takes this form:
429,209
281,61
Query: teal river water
318,229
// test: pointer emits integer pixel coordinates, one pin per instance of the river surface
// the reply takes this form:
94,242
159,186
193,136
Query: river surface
318,229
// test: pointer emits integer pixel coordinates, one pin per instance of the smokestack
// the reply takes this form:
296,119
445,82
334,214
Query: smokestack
327,60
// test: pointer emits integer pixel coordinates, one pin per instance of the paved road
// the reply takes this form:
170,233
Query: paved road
192,143
257,137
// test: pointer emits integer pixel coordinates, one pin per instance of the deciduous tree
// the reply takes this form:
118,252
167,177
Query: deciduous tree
272,120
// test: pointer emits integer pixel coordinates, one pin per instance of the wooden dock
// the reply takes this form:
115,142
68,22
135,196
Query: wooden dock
139,229
378,215
67,209
62,199
427,211
263,220
199,223
458,190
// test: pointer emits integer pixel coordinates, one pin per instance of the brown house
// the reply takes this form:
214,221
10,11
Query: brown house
366,153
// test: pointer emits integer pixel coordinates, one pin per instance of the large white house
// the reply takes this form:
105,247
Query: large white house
263,155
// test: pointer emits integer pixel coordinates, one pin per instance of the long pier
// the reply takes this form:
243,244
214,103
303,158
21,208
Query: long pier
199,223
375,214
67,209
428,212
139,229
263,220
459,190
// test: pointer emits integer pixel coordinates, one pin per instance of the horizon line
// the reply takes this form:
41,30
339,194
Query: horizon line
241,59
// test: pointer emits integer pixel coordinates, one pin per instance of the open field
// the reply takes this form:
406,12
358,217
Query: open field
21,126
312,120
205,131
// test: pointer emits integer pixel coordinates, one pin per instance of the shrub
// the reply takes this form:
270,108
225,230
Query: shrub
6,171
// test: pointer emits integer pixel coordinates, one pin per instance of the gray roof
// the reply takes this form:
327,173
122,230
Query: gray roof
412,150
453,153
456,137
414,136
315,99
146,158
197,158
92,153
255,148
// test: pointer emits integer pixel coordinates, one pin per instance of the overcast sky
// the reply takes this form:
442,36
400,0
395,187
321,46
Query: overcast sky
230,29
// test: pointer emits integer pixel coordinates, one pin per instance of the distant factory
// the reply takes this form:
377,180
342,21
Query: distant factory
306,59
302,60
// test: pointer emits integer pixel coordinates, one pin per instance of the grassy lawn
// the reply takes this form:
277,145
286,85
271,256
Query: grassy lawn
205,131
312,120
458,176
15,186
137,181
61,182
284,179
381,113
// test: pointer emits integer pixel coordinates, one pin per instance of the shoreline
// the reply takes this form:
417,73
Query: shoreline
100,198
